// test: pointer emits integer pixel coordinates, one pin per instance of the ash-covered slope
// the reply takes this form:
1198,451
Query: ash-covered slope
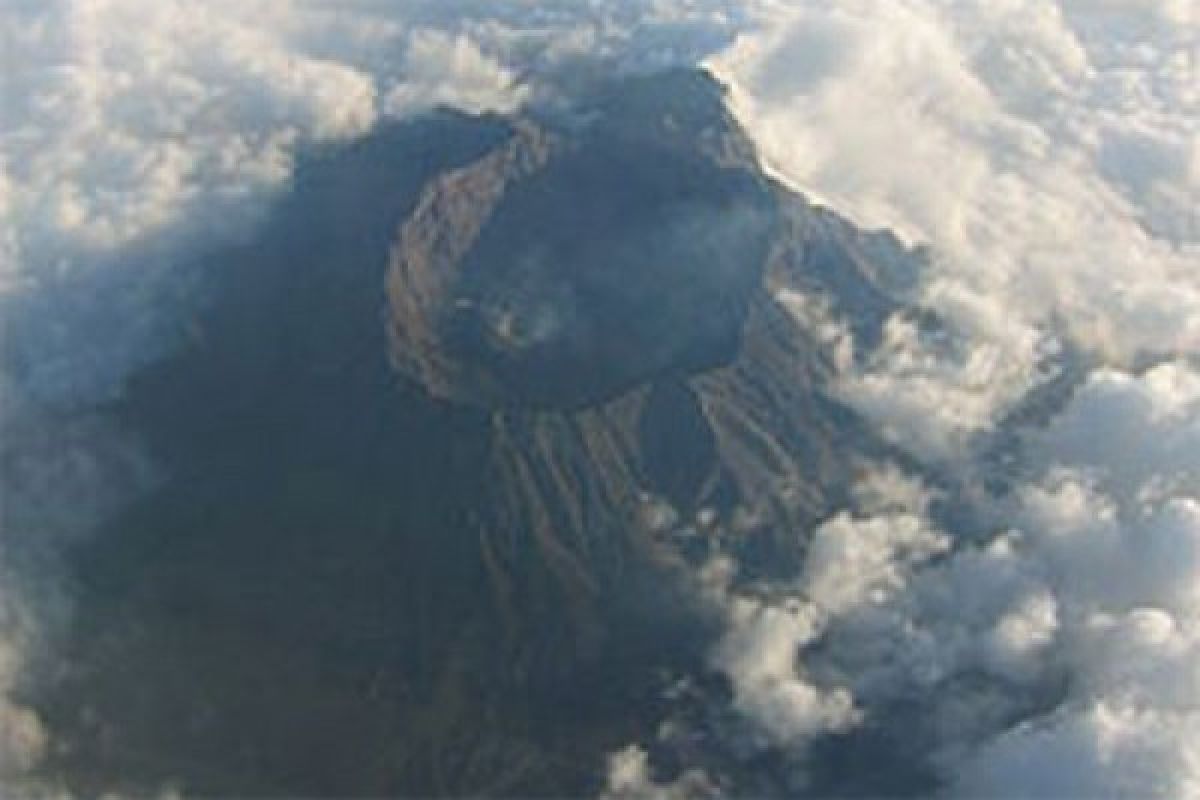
416,456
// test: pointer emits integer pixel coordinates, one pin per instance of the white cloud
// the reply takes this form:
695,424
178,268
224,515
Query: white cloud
854,562
123,118
22,738
628,778
1098,752
1057,654
444,70
1150,426
1115,539
758,652
1048,152
931,391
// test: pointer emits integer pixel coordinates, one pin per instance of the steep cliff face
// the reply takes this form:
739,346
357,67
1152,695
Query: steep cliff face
407,538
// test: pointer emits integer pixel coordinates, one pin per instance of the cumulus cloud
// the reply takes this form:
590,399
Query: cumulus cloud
1047,153
628,777
1102,752
1114,528
123,118
445,70
758,653
1151,432
1046,150
1055,655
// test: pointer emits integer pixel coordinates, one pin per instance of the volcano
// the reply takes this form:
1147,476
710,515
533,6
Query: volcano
446,438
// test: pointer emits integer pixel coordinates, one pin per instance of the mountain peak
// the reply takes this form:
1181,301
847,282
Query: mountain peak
576,260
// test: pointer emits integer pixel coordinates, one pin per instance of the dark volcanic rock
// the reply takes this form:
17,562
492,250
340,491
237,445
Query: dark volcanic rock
401,546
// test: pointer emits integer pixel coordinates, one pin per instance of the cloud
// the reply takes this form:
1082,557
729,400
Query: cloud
22,737
1054,654
1151,432
628,778
758,654
444,70
123,118
1047,152
1101,752
1110,539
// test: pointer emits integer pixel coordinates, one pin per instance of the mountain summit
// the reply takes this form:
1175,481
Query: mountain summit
569,265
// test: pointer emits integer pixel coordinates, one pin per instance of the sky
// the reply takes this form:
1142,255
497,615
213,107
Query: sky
1047,152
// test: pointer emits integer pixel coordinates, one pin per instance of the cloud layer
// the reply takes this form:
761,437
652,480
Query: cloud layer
1054,653
1047,153
1050,153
